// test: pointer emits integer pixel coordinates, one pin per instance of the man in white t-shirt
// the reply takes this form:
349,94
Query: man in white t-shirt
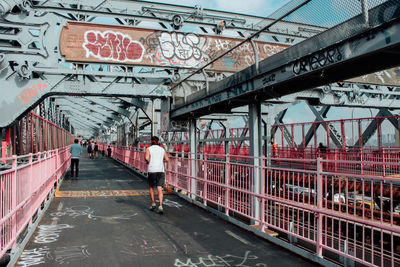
156,156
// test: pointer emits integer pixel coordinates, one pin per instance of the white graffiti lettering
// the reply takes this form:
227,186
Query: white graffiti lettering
68,254
77,211
180,46
50,233
171,203
222,45
31,257
227,260
111,45
270,50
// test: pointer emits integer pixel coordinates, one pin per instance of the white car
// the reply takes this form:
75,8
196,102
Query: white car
339,198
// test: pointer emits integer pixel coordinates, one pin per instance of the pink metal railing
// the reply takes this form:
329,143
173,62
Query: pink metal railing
350,214
24,188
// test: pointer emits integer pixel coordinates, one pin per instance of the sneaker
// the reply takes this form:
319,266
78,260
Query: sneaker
160,209
152,207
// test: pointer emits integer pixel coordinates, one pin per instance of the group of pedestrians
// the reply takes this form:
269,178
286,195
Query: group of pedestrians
93,150
155,156
76,151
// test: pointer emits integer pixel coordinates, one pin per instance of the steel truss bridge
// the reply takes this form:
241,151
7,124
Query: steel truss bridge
120,71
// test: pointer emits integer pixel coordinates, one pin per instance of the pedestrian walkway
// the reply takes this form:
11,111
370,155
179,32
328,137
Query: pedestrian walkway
102,219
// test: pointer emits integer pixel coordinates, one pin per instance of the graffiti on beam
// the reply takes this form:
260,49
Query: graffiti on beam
390,77
30,93
180,46
317,60
146,47
111,45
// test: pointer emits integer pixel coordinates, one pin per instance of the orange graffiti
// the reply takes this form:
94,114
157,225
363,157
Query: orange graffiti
27,95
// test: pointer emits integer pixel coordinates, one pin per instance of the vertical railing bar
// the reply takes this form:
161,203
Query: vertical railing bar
319,207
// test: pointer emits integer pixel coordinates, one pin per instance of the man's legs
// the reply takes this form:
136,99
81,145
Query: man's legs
160,195
74,164
72,167
151,190
160,183
77,167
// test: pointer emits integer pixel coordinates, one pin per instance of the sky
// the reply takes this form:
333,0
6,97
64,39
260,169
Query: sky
260,8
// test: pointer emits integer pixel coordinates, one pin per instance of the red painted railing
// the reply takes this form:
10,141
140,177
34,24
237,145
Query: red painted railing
351,215
24,187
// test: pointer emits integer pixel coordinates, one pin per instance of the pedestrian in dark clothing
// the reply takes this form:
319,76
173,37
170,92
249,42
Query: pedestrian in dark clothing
75,151
102,153
322,150
109,151
96,149
89,150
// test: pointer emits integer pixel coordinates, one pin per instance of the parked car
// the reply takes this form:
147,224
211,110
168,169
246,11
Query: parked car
367,205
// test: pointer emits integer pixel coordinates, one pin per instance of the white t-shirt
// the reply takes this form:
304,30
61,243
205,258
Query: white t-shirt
156,163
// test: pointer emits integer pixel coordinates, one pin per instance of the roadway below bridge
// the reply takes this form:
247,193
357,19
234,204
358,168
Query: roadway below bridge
102,219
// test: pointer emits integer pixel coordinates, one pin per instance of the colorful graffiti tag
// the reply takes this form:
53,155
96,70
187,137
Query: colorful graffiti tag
145,47
111,45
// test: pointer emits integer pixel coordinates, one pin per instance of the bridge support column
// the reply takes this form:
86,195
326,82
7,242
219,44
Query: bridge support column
193,156
153,130
255,152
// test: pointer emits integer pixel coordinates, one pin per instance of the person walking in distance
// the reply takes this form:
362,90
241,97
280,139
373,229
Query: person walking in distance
89,150
96,150
109,151
75,151
156,156
274,151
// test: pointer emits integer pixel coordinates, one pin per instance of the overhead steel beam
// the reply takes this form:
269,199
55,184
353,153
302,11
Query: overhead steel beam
135,102
345,55
79,102
105,104
99,123
104,120
173,16
32,67
347,95
30,93
84,124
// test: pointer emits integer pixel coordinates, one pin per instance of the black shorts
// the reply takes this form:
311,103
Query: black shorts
156,178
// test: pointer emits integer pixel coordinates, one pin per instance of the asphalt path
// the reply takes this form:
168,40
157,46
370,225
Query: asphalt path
102,218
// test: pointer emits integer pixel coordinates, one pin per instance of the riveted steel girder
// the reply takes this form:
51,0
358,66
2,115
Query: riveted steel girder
78,102
94,117
84,122
32,67
171,16
347,95
27,93
105,104
100,123
296,69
